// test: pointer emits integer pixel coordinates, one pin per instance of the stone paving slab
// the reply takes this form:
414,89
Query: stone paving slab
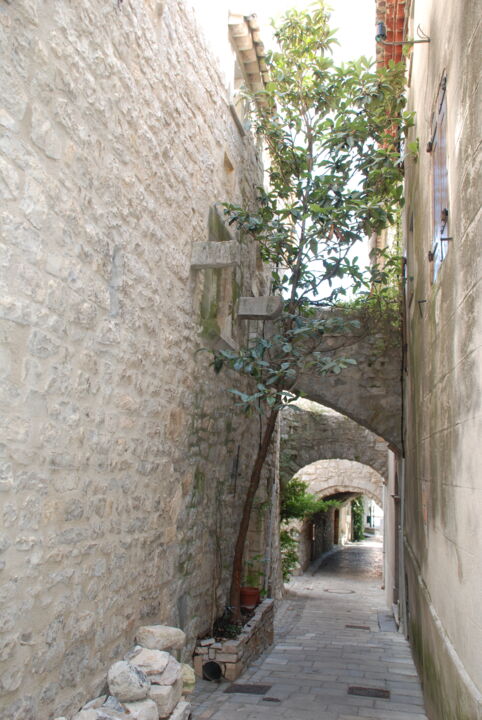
316,658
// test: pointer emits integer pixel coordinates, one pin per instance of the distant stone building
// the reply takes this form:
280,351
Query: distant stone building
123,461
437,490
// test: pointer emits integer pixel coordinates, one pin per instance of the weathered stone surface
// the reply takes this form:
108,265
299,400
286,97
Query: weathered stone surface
127,681
95,703
260,308
166,697
151,662
86,715
214,254
188,679
143,710
171,674
118,438
370,391
112,703
182,711
161,637
106,713
311,432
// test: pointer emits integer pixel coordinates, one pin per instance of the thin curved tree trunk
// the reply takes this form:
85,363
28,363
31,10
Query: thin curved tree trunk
248,505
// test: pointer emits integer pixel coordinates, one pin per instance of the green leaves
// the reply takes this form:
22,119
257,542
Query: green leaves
297,503
333,134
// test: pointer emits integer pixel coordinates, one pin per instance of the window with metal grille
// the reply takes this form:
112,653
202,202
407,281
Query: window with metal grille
438,147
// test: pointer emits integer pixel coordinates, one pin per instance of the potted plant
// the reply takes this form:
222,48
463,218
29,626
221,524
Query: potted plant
250,588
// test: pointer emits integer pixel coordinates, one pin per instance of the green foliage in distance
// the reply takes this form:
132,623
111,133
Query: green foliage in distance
357,518
297,503
289,552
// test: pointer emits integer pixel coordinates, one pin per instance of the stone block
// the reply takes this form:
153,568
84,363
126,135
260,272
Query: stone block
182,711
226,657
260,308
86,715
171,674
198,661
209,254
151,662
161,637
233,670
166,697
127,681
188,679
143,710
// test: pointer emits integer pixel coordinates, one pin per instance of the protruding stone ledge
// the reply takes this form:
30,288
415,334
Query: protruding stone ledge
211,254
260,308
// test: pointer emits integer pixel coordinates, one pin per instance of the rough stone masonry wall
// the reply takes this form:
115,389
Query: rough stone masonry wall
312,432
118,494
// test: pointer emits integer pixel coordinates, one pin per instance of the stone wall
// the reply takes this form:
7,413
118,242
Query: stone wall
311,432
369,392
443,498
235,655
121,452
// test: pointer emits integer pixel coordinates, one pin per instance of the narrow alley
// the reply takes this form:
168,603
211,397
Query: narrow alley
334,640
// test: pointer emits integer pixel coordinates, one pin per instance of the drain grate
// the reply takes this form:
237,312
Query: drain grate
358,627
248,689
369,692
270,699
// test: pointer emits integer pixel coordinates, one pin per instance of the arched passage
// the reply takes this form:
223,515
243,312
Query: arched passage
326,478
311,432
342,480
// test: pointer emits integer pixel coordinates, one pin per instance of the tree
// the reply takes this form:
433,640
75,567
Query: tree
334,177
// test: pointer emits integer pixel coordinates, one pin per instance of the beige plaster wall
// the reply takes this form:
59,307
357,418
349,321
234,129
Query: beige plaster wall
118,442
444,384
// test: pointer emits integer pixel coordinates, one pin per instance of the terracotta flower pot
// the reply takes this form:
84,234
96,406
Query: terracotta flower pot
249,597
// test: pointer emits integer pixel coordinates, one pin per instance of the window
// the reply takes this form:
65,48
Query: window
441,211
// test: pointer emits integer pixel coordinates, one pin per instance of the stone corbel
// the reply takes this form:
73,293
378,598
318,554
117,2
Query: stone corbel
260,308
212,254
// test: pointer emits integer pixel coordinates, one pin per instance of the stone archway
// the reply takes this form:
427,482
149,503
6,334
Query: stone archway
342,480
311,432
327,478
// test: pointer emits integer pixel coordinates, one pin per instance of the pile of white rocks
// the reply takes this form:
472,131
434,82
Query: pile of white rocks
148,684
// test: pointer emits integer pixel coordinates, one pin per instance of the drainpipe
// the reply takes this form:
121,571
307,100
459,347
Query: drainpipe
402,597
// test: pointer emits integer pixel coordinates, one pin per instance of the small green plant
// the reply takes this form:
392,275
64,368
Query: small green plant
252,572
297,503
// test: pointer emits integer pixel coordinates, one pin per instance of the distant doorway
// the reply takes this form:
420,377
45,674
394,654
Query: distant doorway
336,528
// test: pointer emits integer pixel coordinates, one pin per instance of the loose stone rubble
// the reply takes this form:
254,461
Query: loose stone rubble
160,637
148,684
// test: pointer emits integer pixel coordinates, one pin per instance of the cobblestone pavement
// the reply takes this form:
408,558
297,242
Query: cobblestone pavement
317,656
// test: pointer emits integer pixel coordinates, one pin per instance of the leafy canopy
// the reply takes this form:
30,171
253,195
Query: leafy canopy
333,139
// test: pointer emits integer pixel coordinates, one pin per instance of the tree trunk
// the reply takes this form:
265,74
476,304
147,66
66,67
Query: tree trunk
248,505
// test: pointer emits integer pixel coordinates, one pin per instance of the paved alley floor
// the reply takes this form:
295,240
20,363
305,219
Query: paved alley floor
333,633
